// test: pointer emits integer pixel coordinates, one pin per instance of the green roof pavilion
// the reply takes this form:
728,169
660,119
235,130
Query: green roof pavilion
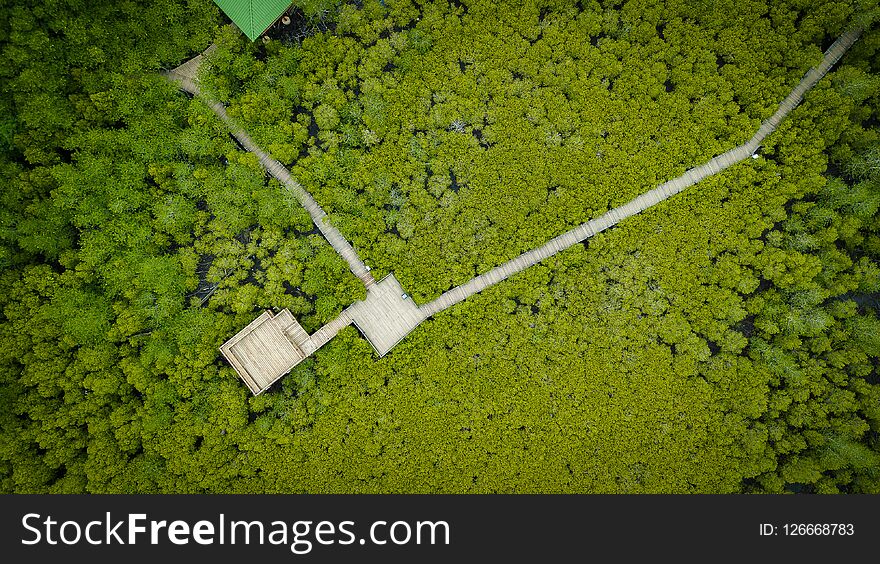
253,17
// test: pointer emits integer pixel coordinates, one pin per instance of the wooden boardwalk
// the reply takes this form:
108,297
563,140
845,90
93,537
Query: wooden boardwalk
650,198
270,346
186,77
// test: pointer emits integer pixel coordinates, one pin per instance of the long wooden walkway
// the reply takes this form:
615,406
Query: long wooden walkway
650,198
271,345
186,77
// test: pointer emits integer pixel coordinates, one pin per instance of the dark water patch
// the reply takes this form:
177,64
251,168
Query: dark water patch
746,326
478,135
204,289
713,347
294,291
454,182
392,230
252,274
763,284
294,26
459,4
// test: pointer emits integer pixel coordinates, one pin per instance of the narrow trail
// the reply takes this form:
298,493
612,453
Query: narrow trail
650,198
386,316
186,77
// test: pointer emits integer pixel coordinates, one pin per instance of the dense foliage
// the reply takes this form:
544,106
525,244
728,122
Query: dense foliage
726,340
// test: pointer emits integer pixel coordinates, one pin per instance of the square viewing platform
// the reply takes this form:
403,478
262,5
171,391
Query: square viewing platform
386,316
267,349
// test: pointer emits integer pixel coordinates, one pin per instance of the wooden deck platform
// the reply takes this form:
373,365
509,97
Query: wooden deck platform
265,350
186,77
271,345
386,316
